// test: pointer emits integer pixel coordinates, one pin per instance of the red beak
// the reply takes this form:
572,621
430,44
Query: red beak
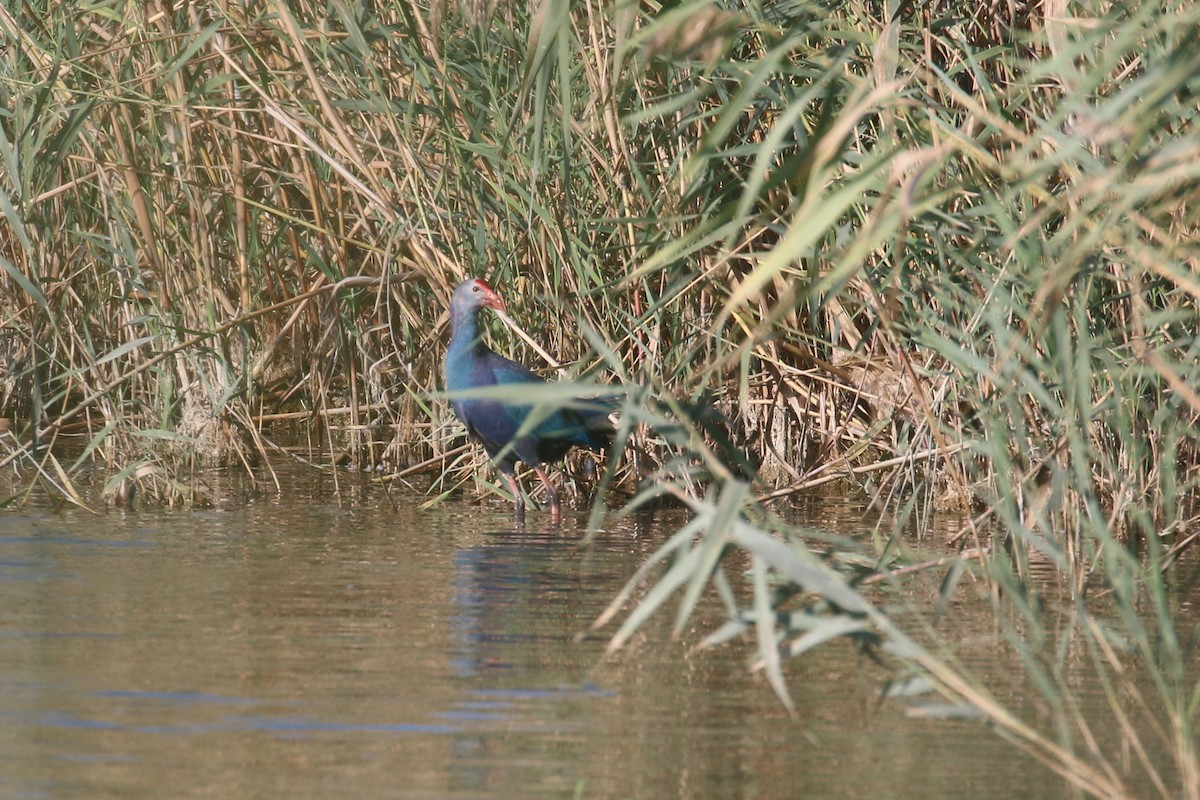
490,298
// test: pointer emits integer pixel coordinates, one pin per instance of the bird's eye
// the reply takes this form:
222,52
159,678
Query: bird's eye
475,288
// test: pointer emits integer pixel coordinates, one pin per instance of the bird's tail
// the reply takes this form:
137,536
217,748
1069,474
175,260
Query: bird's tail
599,424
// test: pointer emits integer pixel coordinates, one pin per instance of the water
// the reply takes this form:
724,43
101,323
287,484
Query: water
310,646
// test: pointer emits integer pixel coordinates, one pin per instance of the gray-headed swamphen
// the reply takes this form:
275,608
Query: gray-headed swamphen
497,421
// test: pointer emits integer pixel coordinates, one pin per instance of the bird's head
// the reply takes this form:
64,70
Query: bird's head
475,293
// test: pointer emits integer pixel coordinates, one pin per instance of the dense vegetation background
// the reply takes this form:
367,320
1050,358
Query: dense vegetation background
943,251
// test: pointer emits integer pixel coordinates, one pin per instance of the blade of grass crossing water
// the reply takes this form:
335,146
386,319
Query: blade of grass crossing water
764,626
716,536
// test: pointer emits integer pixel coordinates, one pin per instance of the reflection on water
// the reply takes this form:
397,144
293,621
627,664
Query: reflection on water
295,648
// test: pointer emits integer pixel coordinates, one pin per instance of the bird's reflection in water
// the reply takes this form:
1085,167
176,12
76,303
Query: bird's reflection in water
510,593
519,601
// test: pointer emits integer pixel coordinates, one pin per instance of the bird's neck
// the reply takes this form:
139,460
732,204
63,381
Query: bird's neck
465,335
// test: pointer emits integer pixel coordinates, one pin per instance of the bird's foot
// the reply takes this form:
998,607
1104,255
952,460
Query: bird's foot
551,494
518,497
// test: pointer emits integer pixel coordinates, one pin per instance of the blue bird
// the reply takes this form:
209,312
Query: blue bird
497,422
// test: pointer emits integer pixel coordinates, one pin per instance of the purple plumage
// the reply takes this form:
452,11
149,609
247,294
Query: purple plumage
497,422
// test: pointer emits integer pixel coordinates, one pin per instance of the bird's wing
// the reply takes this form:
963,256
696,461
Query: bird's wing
586,426
510,372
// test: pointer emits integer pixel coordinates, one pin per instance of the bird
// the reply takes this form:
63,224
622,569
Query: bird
496,422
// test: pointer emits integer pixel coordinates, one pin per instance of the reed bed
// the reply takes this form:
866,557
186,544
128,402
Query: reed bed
939,253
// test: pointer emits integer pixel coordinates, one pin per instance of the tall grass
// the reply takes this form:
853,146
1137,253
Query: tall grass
941,253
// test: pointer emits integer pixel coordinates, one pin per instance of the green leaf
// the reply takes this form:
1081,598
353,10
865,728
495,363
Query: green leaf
829,628
800,566
675,577
764,626
124,349
27,285
719,525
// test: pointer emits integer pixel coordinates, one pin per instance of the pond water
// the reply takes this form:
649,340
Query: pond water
312,644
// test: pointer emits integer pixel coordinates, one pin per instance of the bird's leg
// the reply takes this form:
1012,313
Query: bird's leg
518,498
555,511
